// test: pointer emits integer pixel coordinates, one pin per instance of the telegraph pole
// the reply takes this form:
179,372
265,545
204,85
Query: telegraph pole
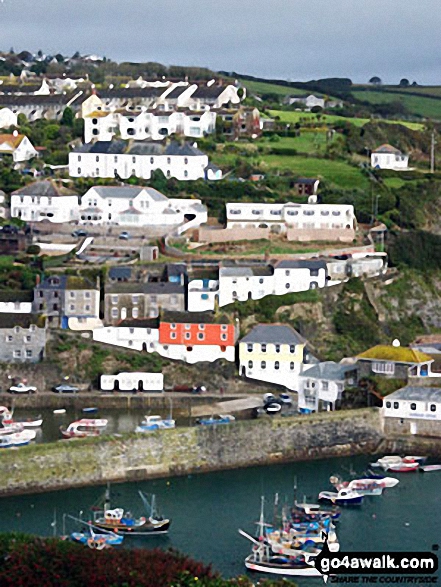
432,153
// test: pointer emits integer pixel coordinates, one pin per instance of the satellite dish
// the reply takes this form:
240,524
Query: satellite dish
396,343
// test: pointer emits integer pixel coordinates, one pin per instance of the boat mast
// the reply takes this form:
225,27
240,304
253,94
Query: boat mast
54,524
261,523
107,498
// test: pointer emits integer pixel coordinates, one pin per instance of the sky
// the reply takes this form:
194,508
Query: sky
284,39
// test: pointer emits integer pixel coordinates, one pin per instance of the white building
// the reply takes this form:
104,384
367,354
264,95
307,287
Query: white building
280,217
241,283
132,382
388,157
125,159
138,206
308,101
147,125
323,384
202,295
16,302
44,201
19,146
7,118
415,403
274,353
143,335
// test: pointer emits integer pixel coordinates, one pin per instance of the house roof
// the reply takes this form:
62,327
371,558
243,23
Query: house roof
306,180
411,393
22,320
66,282
120,273
141,323
147,92
11,139
386,148
128,191
176,269
150,287
212,92
194,318
301,264
176,92
185,150
116,147
46,187
394,354
274,334
328,370
10,295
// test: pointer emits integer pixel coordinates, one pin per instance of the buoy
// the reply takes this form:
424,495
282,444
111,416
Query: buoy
407,524
374,516
168,482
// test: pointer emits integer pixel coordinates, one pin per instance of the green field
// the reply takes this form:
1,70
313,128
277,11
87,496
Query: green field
307,142
266,88
291,117
421,106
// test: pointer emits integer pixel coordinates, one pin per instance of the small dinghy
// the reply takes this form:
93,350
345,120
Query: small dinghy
430,468
343,497
60,411
89,410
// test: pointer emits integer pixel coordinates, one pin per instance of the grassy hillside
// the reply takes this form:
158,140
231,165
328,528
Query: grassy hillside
417,105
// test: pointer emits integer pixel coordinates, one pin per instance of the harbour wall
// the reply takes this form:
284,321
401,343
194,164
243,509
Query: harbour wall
181,451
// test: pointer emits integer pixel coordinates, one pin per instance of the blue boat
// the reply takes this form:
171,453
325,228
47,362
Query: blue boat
89,410
97,540
214,420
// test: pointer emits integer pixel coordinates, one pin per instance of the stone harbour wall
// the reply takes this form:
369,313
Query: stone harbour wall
75,463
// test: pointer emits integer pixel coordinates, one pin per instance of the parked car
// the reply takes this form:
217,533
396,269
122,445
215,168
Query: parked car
79,233
22,388
124,235
272,408
268,398
65,388
285,398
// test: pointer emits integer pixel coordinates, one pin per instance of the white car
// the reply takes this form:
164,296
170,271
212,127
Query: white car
22,388
269,398
285,398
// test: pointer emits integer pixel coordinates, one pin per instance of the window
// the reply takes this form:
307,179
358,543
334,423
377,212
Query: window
17,329
28,338
292,348
336,213
132,330
201,336
277,365
324,212
87,308
187,326
135,312
72,307
249,348
114,312
276,212
292,212
201,326
115,159
152,160
173,326
114,299
9,338
396,405
87,295
173,335
325,385
168,160
413,407
97,158
135,299
187,335
287,272
384,368
17,354
308,212
388,404
250,364
263,364
287,285
79,158
263,348
291,365
185,161
71,294
133,159
277,348
185,173
223,337
28,353
224,327
256,212
433,408
261,280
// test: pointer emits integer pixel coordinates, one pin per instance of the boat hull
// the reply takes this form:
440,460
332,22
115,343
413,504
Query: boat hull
135,530
281,568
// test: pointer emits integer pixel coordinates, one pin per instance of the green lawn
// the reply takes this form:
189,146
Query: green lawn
291,117
427,107
338,172
307,142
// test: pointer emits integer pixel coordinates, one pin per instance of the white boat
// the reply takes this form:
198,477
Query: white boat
152,423
365,486
342,497
28,423
84,428
429,468
60,411
395,463
17,439
11,429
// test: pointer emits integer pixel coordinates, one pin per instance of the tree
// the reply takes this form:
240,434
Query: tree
68,117
375,80
404,82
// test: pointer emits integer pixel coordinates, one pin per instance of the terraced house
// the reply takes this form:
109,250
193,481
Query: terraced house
22,338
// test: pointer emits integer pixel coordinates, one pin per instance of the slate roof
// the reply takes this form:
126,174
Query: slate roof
413,393
120,147
185,150
301,264
66,282
116,273
210,92
141,323
36,99
22,320
46,187
151,287
273,334
10,295
194,318
306,180
328,370
116,147
146,148
176,92
131,93
394,354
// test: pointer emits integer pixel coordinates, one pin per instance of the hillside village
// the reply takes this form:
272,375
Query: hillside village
288,231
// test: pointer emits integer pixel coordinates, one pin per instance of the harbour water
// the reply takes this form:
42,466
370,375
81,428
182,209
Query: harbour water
207,510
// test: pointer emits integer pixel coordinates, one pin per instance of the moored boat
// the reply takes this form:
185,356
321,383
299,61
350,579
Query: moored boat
342,497
213,420
84,428
152,423
404,467
430,468
27,423
123,522
5,413
262,561
97,540
17,439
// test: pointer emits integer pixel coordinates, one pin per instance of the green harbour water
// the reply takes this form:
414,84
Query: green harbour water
208,509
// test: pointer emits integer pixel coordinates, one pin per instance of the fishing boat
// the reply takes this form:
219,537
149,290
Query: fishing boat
84,428
404,467
214,420
430,468
342,497
95,540
123,522
364,486
91,410
152,423
27,423
17,439
313,512
263,559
